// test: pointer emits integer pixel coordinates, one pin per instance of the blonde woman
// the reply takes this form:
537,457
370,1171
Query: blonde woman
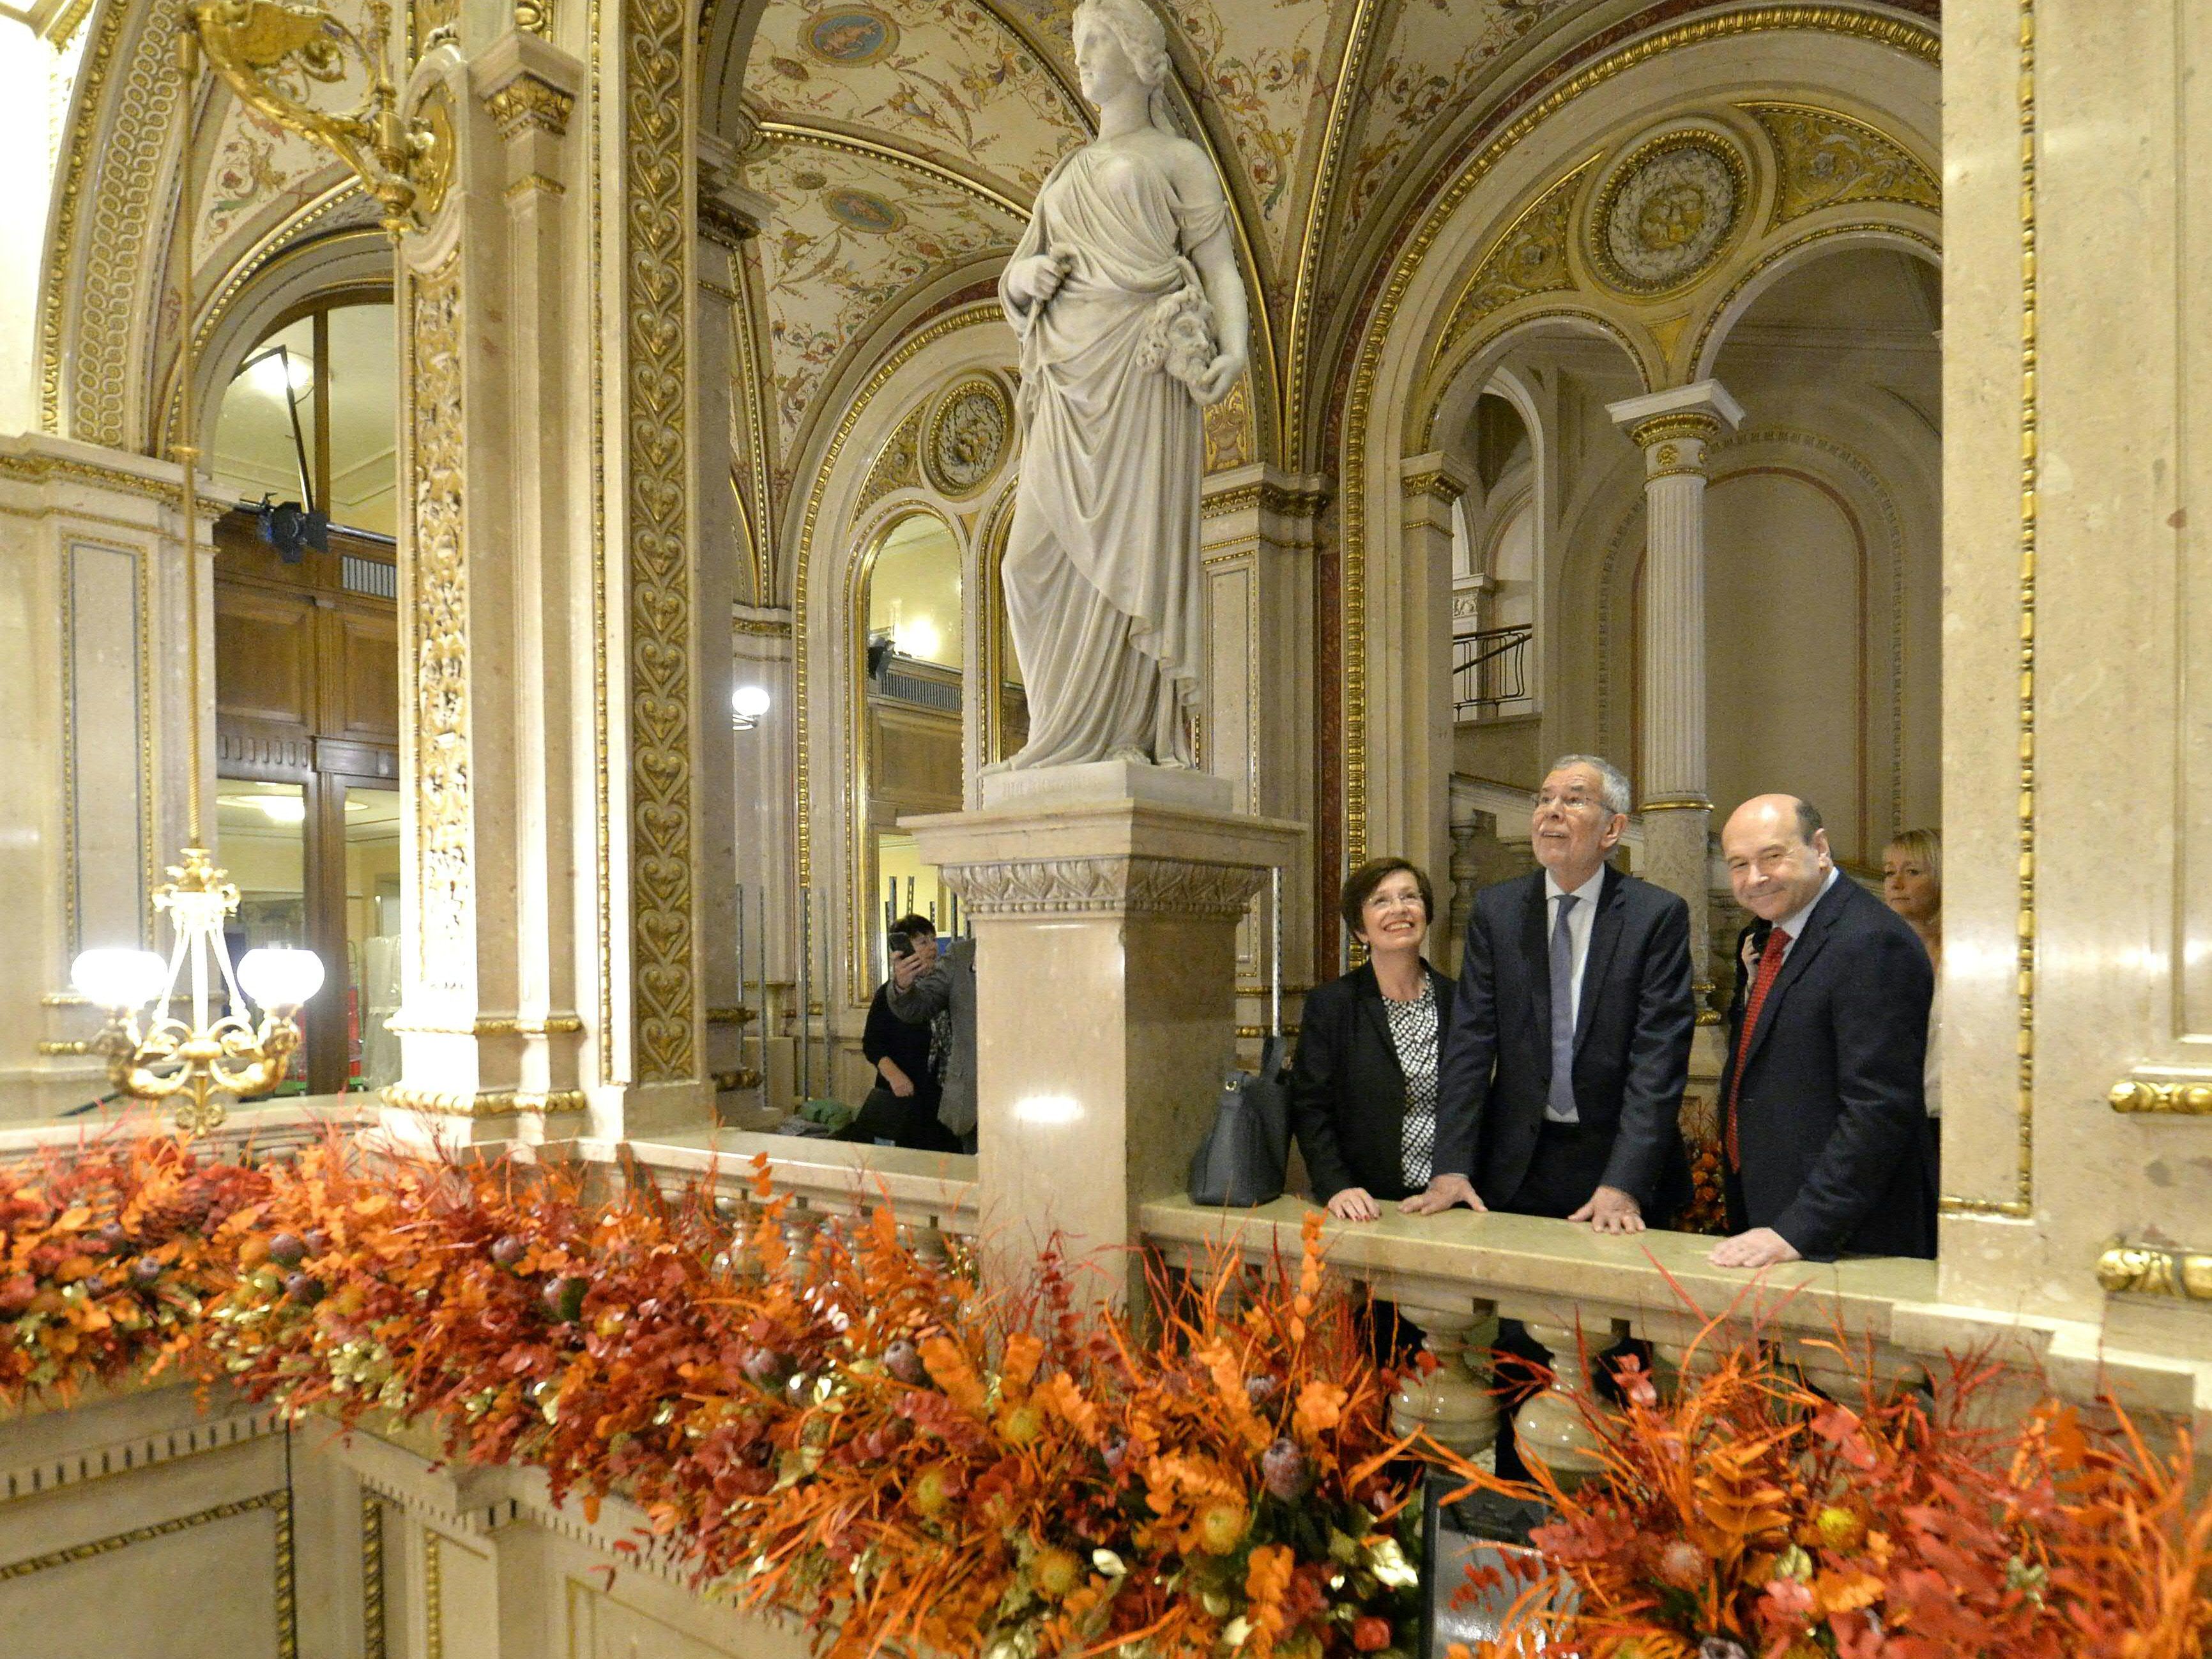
1912,886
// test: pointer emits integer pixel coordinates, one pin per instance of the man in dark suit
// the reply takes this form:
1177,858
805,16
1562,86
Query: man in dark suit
1562,1077
1821,1115
1564,1067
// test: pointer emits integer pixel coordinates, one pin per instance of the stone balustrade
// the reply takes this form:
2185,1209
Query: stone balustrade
1452,1274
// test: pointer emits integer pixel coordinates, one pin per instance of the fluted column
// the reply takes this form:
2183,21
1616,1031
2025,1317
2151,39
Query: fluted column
1675,428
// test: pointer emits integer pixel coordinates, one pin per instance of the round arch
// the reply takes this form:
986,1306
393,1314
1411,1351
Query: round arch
1823,241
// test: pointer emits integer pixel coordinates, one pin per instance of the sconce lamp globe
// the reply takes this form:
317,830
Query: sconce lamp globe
117,979
278,976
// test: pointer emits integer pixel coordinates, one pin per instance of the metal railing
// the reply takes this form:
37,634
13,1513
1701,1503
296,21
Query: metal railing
1489,669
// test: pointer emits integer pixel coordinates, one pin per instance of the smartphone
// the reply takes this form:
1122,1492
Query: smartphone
901,944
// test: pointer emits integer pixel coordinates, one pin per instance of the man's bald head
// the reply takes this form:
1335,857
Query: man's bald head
1778,854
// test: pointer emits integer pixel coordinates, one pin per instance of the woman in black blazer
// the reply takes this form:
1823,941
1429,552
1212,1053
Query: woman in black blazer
1363,1086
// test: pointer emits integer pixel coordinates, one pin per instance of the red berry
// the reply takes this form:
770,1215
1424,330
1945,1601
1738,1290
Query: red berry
1370,1633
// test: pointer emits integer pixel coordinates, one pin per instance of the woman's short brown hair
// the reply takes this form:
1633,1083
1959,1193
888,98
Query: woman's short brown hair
1359,886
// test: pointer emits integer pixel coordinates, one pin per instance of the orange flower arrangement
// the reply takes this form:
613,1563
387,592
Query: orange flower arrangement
851,1435
1744,1515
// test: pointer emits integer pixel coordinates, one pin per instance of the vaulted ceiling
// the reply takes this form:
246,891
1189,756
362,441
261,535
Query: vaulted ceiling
902,141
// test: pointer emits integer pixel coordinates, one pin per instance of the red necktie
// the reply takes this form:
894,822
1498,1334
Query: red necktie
1770,969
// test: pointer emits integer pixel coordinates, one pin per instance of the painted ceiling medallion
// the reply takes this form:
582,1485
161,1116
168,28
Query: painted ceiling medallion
849,35
968,436
864,210
1668,211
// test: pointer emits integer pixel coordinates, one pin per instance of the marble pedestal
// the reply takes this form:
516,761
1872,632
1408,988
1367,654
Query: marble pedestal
1105,979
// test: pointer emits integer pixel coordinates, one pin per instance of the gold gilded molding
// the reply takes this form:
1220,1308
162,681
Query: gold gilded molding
1828,160
433,1597
898,465
1434,483
533,183
2174,1098
1231,440
1688,425
527,103
485,1103
765,628
278,1502
2022,1202
2142,1270
656,290
846,143
104,301
372,1576
985,311
1529,258
1908,36
71,184
1344,99
534,16
438,626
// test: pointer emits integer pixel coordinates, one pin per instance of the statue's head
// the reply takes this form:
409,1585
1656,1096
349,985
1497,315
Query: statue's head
1134,27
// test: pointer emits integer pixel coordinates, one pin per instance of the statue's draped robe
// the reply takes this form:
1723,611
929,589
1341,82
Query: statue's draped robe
1102,567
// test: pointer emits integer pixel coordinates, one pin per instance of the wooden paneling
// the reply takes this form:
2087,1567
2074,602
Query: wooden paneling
368,672
265,653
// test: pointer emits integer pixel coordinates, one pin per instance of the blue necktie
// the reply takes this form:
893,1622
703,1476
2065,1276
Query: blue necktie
1559,1101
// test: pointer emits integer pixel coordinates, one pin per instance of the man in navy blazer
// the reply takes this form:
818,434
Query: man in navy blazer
1822,1122
1561,1081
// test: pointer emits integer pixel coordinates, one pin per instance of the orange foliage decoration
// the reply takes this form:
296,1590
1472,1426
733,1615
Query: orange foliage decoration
1741,1514
851,1435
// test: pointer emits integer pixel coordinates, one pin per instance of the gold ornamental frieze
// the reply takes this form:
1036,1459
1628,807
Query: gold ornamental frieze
438,628
1828,160
655,159
1529,259
897,466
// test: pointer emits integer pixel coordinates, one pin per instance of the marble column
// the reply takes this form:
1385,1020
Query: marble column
1675,428
1257,730
1105,963
2076,1028
1410,697
555,743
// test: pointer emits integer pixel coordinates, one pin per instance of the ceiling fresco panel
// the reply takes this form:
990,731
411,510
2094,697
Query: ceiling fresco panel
851,234
1265,69
1438,54
947,79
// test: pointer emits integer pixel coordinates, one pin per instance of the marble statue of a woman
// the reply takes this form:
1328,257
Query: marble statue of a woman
1132,318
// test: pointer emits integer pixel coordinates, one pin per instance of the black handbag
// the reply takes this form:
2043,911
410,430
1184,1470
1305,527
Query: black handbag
1244,1159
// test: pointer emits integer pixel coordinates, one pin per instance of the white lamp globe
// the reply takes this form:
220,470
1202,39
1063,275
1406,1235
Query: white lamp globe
750,702
119,978
277,976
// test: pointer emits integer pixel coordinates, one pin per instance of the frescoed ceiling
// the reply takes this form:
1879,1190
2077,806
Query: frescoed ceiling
948,81
1436,56
1265,71
851,234
954,112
